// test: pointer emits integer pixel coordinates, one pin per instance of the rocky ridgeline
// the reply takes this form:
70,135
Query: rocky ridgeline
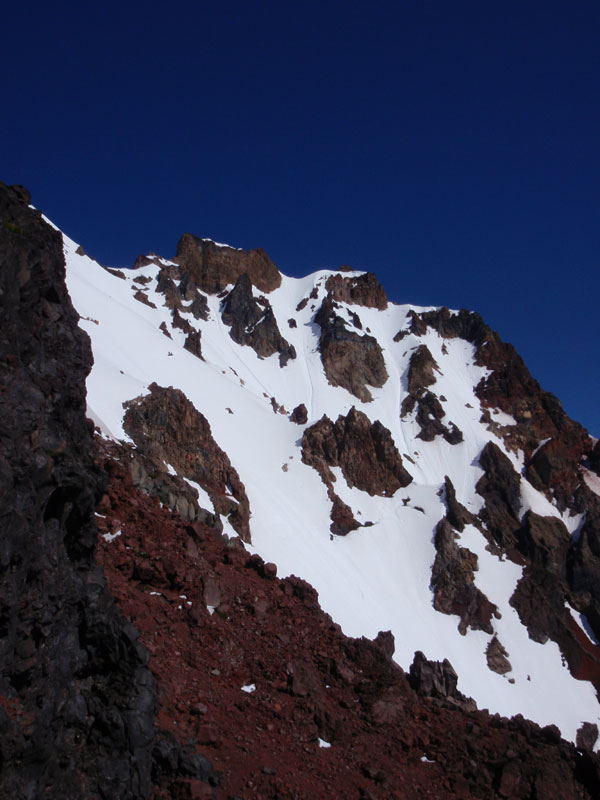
213,267
360,290
558,567
554,468
213,678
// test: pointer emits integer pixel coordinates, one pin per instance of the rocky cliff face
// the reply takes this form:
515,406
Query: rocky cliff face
77,699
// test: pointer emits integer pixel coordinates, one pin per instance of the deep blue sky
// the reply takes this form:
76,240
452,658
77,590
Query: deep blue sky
451,147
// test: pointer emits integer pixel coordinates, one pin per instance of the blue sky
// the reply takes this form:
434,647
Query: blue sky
450,147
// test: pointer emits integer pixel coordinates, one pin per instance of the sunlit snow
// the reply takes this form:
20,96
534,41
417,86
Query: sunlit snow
376,578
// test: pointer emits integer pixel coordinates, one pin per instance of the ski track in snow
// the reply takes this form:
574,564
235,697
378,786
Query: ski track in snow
376,578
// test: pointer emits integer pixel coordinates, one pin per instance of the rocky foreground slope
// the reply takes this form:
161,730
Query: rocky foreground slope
211,676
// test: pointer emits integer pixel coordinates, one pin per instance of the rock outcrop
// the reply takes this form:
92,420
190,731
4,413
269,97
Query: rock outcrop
213,267
549,554
253,323
500,488
364,451
360,290
299,414
497,657
430,412
452,581
167,429
437,680
349,359
181,292
366,454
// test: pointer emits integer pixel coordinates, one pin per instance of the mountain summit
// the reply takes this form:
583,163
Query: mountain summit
264,441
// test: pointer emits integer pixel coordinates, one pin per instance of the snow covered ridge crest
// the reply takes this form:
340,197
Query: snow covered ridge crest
401,460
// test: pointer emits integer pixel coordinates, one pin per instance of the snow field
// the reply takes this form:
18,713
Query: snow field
378,577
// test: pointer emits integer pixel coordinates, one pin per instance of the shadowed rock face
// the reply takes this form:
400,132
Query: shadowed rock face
500,488
438,680
421,370
365,452
183,297
452,581
213,267
254,324
349,359
77,700
169,430
457,515
430,412
363,290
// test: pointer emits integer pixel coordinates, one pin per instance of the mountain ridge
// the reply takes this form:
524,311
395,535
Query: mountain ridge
505,510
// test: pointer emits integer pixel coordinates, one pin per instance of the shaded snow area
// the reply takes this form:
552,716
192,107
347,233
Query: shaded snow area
377,577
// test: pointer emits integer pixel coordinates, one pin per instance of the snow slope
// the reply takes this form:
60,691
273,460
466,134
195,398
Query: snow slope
375,578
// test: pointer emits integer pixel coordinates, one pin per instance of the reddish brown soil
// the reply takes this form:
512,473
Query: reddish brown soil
311,681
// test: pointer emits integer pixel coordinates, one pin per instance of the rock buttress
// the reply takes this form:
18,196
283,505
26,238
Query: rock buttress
430,412
77,700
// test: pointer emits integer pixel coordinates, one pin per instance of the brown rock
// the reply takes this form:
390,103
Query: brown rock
142,298
458,516
349,360
299,415
193,345
587,735
421,370
365,452
500,487
342,518
363,290
167,428
452,581
213,267
437,679
497,657
430,411
254,324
